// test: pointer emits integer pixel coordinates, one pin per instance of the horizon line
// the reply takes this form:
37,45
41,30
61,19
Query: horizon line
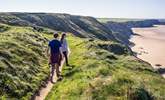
76,15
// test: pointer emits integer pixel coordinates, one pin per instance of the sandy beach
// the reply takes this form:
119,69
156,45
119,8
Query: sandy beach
150,45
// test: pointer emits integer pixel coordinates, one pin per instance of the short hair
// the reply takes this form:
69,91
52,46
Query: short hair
55,35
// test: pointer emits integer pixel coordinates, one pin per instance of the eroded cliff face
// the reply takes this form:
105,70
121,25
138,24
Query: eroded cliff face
122,30
82,26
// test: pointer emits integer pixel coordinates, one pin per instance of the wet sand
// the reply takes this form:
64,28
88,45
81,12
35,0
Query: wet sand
150,45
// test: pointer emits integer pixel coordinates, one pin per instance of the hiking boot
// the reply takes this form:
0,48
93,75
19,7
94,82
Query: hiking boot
53,82
59,78
67,65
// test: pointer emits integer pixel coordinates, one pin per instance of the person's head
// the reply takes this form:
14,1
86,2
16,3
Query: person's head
55,35
63,35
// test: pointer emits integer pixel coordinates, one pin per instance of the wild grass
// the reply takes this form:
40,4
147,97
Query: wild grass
97,71
105,20
22,62
100,74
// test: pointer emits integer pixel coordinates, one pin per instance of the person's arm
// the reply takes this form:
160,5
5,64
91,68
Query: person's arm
48,54
60,49
61,52
67,47
48,51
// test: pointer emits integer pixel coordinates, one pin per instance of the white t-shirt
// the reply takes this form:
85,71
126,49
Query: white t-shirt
65,46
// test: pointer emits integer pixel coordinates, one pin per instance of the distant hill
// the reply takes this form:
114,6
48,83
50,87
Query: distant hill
78,25
121,28
162,21
83,26
104,20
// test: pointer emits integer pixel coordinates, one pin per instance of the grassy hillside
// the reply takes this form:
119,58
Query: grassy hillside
100,70
82,26
105,20
22,61
99,73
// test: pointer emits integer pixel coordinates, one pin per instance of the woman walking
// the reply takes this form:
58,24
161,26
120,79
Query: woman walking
65,48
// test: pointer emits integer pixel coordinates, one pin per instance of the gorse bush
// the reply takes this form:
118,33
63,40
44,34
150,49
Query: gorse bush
141,94
4,28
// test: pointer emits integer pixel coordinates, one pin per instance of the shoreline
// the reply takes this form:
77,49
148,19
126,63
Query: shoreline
148,44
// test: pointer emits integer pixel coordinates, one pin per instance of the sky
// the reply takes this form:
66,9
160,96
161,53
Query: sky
95,8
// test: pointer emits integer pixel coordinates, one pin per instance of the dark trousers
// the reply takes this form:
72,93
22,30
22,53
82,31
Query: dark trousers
66,57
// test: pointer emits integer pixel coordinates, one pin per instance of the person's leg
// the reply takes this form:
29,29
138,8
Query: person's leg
58,70
52,72
66,58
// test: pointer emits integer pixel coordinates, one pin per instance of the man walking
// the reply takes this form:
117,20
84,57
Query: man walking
54,52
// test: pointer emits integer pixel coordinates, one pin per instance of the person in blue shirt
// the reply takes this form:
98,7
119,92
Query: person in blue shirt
54,52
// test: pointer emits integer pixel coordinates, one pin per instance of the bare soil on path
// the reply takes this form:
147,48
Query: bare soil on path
43,92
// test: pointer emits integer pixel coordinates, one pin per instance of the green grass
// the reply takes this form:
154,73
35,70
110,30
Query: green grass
99,74
104,20
3,27
100,70
22,62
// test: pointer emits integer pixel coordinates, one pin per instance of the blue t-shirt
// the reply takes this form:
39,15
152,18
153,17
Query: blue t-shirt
55,46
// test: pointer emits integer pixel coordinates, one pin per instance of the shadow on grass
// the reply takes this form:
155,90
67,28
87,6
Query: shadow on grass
71,72
141,94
